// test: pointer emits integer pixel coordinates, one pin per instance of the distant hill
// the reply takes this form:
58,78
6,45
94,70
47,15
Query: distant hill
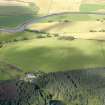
55,6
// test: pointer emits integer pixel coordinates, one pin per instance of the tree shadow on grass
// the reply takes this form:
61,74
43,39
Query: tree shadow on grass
52,58
82,86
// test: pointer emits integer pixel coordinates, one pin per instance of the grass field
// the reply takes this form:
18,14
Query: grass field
92,7
69,27
51,54
73,17
90,29
11,16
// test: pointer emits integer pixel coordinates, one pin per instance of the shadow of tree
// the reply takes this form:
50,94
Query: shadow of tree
52,58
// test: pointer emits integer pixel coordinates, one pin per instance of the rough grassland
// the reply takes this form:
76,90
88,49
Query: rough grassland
53,6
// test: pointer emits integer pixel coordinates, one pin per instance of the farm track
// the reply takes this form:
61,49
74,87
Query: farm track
22,27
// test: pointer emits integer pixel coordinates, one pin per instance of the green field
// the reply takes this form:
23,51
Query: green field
11,16
92,7
51,54
73,17
71,27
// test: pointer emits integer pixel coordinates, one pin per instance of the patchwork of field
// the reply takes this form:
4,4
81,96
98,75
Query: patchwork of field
9,71
68,26
24,13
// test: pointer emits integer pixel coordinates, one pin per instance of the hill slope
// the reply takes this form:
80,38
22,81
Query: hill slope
9,71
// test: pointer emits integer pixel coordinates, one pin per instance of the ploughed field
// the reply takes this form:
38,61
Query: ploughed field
50,53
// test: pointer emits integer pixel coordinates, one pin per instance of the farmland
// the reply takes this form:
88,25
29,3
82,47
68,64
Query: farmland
56,59
12,16
51,54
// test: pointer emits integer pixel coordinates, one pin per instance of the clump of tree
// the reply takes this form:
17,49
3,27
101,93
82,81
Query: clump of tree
1,44
93,31
102,30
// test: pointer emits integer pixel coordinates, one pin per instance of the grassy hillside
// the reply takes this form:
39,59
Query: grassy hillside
53,6
66,88
51,54
9,71
72,18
